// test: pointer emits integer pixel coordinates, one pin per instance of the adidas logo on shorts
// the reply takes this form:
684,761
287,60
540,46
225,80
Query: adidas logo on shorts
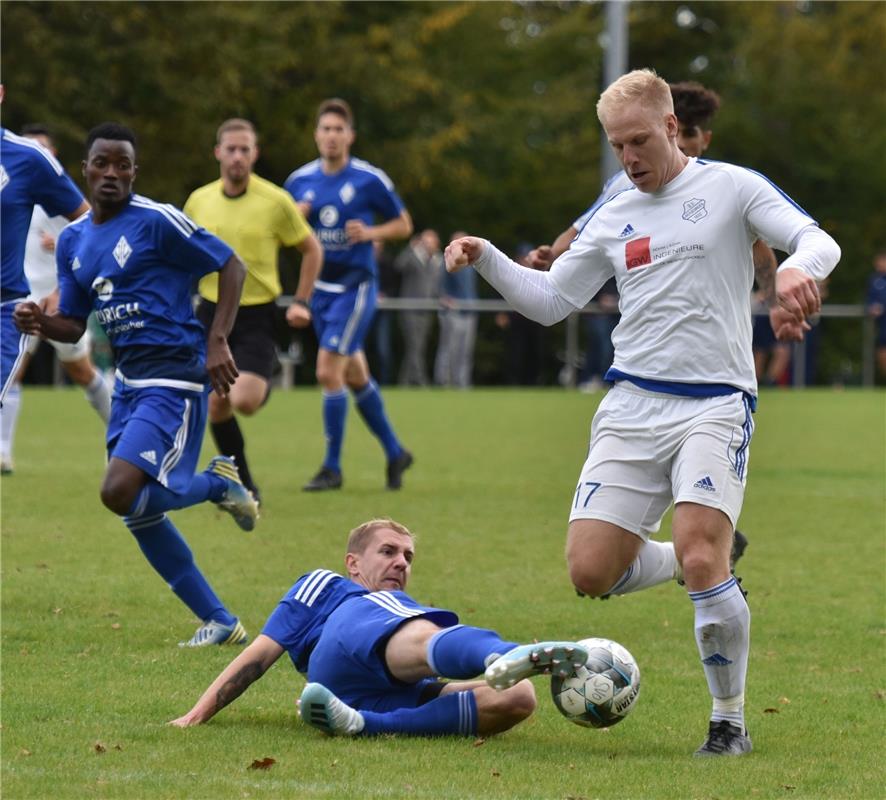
705,483
150,456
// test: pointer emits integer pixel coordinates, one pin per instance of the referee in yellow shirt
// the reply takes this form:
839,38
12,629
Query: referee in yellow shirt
256,218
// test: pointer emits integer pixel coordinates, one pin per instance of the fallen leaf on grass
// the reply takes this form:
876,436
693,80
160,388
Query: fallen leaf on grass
116,626
25,752
263,763
771,711
789,787
56,611
496,773
479,742
118,746
784,701
880,694
99,747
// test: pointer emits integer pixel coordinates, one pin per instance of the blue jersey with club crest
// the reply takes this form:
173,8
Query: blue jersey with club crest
29,175
138,271
359,191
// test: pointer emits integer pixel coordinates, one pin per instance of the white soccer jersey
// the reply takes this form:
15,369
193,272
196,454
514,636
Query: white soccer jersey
40,263
682,260
616,183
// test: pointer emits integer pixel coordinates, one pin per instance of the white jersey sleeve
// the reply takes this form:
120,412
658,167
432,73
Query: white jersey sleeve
39,262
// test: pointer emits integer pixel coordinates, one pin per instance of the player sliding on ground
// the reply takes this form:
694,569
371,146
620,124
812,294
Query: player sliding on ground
374,656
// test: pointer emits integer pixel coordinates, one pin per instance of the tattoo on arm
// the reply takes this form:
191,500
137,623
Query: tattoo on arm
237,684
764,271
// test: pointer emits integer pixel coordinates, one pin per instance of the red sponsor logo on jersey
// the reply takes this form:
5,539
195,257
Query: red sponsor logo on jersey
637,253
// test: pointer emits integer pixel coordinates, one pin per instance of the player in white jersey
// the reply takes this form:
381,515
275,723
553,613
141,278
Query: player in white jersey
676,426
74,357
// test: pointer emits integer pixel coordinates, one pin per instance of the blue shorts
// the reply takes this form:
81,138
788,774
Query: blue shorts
342,319
13,345
159,430
349,656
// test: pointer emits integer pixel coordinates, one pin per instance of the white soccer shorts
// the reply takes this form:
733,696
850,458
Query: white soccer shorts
648,450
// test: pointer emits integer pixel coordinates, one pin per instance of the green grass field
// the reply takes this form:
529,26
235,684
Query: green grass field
91,672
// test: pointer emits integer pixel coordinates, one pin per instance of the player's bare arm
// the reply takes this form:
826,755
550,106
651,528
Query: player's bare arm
219,361
460,253
31,319
298,315
397,228
784,325
542,257
236,678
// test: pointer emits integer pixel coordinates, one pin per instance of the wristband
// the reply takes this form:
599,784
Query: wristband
303,303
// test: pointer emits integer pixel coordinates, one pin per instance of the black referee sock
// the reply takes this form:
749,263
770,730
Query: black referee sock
228,440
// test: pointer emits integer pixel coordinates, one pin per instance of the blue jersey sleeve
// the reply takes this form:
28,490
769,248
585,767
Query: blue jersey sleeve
184,244
385,200
73,301
53,188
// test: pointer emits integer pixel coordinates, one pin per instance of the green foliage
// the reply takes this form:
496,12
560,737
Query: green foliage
481,112
91,671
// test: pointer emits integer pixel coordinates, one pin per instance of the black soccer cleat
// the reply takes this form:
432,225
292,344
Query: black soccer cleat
397,467
739,545
725,739
324,480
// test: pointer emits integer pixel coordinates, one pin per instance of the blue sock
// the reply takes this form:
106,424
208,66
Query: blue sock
372,409
451,714
461,651
155,499
335,413
169,554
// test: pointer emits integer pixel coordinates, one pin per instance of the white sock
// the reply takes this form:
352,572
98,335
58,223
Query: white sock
99,396
655,563
9,420
722,632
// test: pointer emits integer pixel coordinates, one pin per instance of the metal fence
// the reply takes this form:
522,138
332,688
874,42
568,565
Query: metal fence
573,347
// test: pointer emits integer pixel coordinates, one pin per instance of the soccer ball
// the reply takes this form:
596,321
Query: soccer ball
603,691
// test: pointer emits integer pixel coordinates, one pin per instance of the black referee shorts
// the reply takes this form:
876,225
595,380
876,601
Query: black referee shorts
251,339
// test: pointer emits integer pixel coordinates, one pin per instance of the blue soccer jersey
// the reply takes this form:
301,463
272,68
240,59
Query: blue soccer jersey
137,271
359,191
298,620
29,175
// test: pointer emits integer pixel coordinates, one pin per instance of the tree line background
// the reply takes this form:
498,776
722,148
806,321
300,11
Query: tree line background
481,112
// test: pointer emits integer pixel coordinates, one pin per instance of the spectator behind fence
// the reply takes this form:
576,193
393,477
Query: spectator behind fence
380,339
420,265
598,338
876,308
454,363
524,339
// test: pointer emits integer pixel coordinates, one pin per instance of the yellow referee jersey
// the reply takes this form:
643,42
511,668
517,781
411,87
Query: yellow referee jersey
255,224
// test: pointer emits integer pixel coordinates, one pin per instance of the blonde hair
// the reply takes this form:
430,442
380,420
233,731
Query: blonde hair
640,86
359,538
235,124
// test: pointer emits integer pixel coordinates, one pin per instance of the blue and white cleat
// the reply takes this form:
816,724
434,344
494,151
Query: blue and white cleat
215,633
238,500
321,709
556,658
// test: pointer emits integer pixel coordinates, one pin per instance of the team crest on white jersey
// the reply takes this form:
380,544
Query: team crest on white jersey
122,252
328,216
75,264
347,192
103,288
694,210
4,177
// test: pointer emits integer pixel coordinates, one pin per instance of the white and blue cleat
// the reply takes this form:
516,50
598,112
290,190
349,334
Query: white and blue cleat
561,659
237,500
213,632
321,709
